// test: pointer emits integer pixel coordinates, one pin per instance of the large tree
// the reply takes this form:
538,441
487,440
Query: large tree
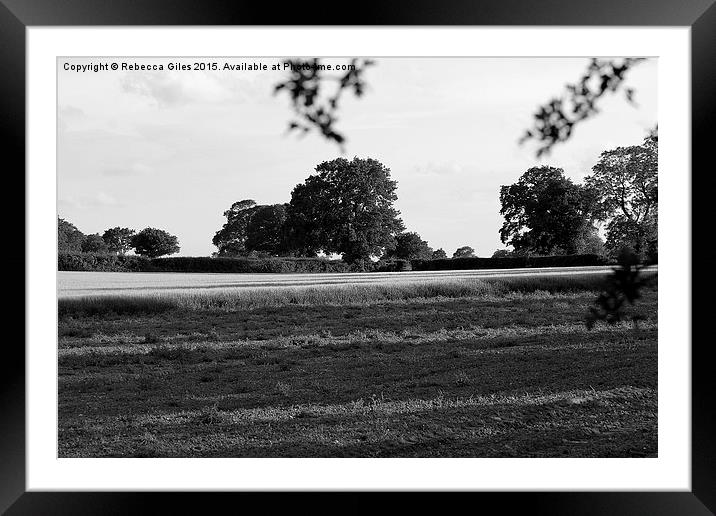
345,208
231,238
409,246
251,228
545,213
118,239
265,230
624,184
69,238
152,242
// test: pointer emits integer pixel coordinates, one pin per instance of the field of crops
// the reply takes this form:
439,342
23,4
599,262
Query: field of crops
474,364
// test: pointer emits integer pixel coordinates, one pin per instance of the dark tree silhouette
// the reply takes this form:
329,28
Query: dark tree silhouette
409,246
555,120
625,188
501,253
265,231
314,108
464,252
345,208
69,238
231,238
94,244
118,239
439,254
545,213
152,243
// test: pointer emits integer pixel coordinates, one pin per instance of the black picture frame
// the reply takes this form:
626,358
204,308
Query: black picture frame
17,15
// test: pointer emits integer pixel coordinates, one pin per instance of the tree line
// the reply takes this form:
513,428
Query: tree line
347,208
546,213
149,242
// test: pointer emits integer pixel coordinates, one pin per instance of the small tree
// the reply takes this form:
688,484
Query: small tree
118,240
464,252
151,242
439,254
94,244
501,253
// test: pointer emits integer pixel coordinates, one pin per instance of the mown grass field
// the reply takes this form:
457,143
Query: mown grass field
449,367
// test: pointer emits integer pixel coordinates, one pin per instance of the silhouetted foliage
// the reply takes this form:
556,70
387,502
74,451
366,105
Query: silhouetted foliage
546,213
624,184
556,119
152,242
231,238
464,252
439,254
94,244
69,238
409,246
118,239
345,208
306,86
501,253
623,288
265,232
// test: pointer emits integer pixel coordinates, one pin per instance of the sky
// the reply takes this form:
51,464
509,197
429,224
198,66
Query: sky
174,149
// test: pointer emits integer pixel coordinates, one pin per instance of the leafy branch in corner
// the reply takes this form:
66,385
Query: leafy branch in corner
623,288
555,120
305,87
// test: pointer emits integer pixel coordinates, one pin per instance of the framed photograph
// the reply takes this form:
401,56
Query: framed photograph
265,251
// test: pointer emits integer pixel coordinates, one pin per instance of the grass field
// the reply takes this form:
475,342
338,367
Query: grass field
448,366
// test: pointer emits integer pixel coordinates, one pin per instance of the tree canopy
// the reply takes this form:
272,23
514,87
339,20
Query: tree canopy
152,243
439,254
624,186
345,208
231,238
464,252
118,239
94,244
545,213
69,238
409,246
252,228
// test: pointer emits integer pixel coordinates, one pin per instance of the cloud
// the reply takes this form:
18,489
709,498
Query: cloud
439,169
171,89
132,169
99,200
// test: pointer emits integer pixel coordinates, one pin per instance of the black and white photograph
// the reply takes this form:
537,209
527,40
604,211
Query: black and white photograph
357,257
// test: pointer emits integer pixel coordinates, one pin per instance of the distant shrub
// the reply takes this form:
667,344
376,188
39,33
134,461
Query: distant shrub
514,262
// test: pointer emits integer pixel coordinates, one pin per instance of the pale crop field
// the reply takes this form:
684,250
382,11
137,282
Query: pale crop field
76,284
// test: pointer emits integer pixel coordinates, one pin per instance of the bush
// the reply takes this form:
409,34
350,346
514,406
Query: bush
100,262
111,262
397,265
516,262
